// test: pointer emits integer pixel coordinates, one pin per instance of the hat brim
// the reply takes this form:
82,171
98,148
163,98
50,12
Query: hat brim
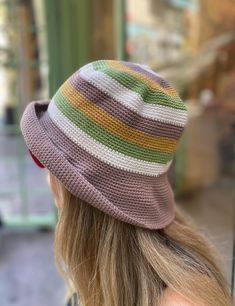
48,154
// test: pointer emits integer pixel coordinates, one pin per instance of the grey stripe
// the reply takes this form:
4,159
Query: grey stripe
163,83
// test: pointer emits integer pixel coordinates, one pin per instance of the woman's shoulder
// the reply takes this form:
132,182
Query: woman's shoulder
173,298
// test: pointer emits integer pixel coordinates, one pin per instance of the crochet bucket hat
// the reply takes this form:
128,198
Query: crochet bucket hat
109,135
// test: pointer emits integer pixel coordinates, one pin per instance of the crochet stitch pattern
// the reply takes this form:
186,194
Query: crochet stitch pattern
114,126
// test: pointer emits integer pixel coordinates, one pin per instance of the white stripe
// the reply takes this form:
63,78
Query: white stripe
101,151
131,99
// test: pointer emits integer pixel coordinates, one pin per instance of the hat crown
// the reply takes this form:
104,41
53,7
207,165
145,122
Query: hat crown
123,110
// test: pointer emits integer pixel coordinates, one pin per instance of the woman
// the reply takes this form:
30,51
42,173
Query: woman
107,138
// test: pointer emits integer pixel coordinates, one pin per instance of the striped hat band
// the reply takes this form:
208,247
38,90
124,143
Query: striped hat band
109,134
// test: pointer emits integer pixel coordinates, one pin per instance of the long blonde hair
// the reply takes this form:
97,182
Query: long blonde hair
111,263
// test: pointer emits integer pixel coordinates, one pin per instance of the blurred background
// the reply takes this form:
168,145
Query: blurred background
190,42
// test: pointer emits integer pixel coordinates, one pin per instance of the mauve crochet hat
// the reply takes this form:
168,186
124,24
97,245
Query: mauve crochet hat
109,135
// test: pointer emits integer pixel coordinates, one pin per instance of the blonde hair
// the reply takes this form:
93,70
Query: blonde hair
112,263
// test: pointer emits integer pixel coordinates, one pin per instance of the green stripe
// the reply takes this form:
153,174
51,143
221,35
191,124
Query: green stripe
105,137
134,84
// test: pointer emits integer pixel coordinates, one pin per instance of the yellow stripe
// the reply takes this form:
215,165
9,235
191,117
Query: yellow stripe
148,81
114,125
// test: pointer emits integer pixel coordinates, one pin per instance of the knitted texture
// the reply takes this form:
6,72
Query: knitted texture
109,134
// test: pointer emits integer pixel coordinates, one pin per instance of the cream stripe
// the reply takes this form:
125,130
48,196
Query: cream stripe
102,152
131,99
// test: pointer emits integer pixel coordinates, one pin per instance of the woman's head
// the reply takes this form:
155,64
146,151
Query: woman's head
109,135
108,138
112,263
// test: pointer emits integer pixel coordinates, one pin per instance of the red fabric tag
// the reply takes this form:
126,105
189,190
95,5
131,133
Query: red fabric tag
37,162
